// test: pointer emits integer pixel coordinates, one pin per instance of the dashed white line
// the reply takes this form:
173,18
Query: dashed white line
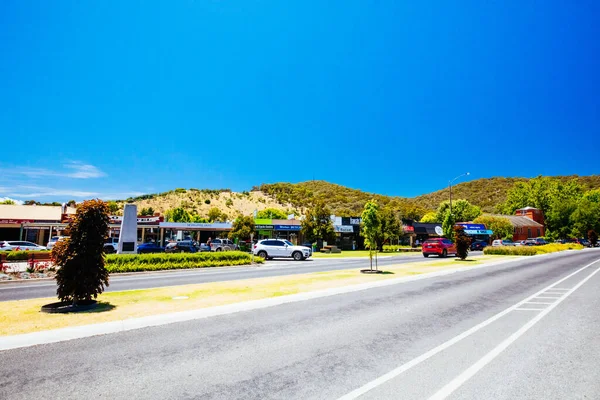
423,357
529,309
473,369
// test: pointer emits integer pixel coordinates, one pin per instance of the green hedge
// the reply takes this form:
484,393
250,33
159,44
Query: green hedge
393,248
164,261
17,255
530,250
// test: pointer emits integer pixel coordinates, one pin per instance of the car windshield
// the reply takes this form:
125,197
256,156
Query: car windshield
288,243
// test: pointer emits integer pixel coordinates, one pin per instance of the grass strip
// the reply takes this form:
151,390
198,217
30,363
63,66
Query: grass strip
24,316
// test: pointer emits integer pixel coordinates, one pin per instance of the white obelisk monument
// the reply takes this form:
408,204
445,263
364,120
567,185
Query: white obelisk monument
128,236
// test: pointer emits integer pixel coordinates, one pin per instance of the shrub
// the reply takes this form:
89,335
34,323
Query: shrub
207,201
180,190
530,250
593,237
163,261
462,242
82,275
229,203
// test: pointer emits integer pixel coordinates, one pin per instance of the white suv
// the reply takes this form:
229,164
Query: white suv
275,248
18,245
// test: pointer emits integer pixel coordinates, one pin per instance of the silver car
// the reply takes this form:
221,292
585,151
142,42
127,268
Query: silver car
8,245
222,245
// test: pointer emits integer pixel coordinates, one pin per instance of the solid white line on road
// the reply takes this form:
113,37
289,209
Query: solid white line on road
537,302
473,369
423,357
529,309
549,298
561,289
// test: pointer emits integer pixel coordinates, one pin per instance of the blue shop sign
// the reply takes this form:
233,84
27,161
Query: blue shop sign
473,227
478,232
287,227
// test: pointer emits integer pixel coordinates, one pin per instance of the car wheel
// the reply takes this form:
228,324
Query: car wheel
181,251
219,249
425,255
262,254
444,254
297,256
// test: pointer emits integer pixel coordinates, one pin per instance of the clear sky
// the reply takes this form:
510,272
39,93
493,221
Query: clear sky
115,98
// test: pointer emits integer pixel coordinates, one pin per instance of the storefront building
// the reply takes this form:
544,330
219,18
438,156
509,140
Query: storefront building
347,231
193,230
278,229
478,232
32,223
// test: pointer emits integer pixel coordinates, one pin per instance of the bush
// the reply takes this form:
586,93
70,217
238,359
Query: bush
163,261
463,242
530,250
391,248
207,201
229,202
82,275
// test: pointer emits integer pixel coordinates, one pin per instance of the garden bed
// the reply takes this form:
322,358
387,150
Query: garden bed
530,250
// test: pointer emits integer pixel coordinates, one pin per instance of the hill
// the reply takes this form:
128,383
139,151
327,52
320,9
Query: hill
343,201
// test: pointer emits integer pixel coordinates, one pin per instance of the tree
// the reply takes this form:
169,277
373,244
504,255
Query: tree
371,225
271,213
147,211
215,215
178,214
430,218
390,227
317,225
113,207
30,202
463,242
82,275
463,211
593,238
242,228
448,226
71,203
500,226
8,202
558,218
584,218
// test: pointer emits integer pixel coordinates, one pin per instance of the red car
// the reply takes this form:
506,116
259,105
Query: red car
438,246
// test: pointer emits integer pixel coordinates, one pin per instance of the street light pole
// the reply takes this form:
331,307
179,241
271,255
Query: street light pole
450,184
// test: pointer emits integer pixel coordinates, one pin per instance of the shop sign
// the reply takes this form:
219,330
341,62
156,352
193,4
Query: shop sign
473,227
478,232
196,225
355,220
287,227
263,227
343,228
408,228
15,221
439,231
114,219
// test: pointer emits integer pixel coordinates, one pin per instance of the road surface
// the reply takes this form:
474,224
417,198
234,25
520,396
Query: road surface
522,330
30,290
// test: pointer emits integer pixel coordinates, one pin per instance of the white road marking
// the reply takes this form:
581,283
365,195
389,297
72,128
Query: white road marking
561,289
473,369
423,357
537,302
529,309
550,298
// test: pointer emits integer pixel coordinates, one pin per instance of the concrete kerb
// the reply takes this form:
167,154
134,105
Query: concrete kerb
79,332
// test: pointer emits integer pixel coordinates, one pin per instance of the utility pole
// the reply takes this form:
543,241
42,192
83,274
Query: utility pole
450,184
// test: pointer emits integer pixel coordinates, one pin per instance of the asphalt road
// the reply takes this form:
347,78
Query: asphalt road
523,330
279,267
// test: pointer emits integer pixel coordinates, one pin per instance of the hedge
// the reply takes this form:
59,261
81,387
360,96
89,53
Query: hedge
20,255
164,261
394,248
530,250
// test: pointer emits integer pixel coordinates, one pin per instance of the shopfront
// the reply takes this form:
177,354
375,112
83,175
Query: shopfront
278,229
476,231
347,231
196,231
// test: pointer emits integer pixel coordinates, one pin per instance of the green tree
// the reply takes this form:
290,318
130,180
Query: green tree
585,217
430,218
7,202
390,227
463,242
500,226
113,207
271,213
242,228
448,226
371,226
82,275
147,211
178,214
198,219
463,211
215,215
317,223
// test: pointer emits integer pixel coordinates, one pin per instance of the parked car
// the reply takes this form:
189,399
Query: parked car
109,248
504,242
114,242
276,248
183,246
16,245
203,247
54,240
149,248
478,245
438,246
536,242
222,245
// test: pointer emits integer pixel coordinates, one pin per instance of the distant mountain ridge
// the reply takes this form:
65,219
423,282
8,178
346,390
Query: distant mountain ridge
343,201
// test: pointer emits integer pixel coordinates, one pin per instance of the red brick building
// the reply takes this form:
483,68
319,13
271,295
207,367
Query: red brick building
527,223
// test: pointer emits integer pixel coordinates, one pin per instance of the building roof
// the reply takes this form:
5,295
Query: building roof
519,222
35,213
527,208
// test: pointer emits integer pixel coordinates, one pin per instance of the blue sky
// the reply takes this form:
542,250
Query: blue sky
117,98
